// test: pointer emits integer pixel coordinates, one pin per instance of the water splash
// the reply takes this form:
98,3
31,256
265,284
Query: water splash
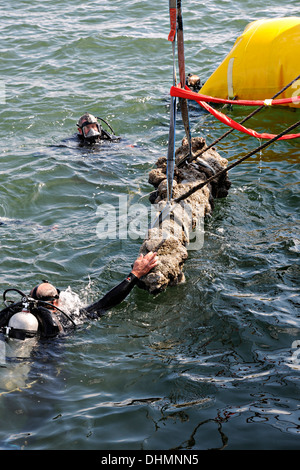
71,303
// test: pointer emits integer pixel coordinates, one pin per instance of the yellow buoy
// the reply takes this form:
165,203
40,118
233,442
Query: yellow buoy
263,60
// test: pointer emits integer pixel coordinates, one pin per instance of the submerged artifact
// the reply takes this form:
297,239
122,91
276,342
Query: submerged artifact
180,224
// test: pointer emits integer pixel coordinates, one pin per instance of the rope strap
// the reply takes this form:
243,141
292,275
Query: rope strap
232,165
172,33
191,95
175,91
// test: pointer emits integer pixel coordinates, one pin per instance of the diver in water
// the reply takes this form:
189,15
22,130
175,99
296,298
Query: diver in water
40,312
193,82
90,130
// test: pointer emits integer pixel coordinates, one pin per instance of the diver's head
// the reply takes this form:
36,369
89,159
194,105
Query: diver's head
193,82
89,128
46,292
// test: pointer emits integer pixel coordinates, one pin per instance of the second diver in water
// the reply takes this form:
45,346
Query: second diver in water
90,130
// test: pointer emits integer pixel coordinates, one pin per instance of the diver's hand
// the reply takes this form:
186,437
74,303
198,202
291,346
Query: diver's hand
144,264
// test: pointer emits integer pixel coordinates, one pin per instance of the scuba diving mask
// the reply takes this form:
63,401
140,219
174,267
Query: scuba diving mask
90,128
91,134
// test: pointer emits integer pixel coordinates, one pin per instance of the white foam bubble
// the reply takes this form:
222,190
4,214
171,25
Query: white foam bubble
71,303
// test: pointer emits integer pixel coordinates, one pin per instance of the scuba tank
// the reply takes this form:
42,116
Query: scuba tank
23,323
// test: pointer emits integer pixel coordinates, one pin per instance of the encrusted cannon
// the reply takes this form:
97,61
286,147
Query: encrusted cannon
178,225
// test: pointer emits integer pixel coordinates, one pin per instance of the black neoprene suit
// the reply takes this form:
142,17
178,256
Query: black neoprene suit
112,298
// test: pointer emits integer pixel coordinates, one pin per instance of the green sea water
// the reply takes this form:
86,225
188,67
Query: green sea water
209,364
